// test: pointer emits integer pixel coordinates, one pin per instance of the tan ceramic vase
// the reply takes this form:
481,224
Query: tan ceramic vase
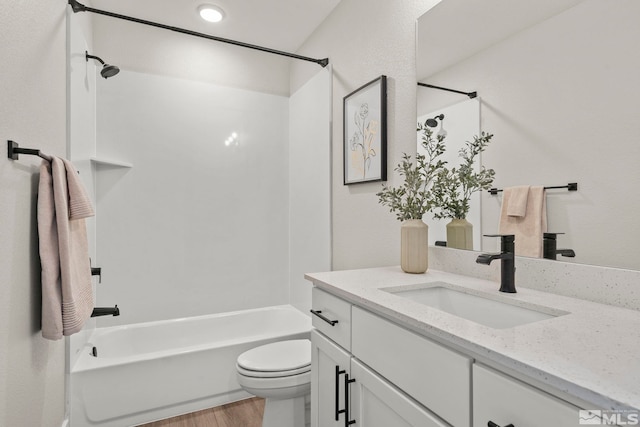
460,234
414,257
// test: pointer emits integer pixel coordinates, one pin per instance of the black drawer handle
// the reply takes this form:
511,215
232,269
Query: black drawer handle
320,315
338,373
492,424
347,381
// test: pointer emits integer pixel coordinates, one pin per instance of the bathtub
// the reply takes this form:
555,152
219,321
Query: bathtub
150,371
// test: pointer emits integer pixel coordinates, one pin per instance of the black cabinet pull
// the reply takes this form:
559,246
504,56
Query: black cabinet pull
347,381
492,424
320,315
338,373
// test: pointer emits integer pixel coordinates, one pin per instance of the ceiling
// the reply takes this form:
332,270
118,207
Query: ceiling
276,24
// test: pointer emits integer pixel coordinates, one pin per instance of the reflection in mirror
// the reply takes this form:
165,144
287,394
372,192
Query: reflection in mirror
459,123
562,102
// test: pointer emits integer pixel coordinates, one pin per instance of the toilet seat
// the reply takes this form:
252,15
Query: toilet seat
282,358
272,374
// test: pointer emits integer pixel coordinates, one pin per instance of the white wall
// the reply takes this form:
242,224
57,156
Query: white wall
33,111
195,226
562,100
364,39
309,191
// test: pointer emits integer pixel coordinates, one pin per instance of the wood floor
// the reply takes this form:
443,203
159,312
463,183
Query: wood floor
245,413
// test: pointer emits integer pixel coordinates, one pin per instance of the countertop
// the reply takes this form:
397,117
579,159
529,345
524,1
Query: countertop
592,353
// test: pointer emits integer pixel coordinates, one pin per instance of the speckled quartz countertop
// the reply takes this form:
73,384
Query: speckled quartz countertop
592,353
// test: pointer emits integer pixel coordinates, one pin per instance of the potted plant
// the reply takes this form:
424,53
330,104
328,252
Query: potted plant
452,190
413,199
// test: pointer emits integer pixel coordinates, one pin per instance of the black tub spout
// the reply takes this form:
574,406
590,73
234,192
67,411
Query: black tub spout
105,311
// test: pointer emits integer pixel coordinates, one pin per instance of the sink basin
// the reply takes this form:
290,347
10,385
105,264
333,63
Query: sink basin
486,311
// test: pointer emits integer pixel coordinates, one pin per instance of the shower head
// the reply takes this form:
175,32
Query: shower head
107,70
432,123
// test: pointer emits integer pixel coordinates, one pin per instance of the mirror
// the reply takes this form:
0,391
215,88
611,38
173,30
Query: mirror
459,122
558,84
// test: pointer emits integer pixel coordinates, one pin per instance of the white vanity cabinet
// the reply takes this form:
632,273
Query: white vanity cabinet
329,366
503,400
377,403
376,373
344,389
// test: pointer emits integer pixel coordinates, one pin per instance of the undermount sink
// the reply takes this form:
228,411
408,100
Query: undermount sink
486,311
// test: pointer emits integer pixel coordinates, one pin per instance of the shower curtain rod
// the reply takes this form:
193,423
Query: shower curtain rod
469,94
78,7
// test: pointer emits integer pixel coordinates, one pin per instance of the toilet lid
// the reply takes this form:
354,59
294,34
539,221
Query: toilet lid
278,356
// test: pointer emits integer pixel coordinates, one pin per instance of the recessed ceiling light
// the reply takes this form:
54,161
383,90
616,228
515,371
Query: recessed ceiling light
211,13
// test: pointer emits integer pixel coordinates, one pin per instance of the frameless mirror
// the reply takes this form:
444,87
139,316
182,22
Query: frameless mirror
560,98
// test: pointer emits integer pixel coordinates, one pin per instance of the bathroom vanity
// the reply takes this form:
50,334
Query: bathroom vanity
390,349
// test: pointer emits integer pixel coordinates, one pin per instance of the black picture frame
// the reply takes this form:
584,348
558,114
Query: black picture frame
365,133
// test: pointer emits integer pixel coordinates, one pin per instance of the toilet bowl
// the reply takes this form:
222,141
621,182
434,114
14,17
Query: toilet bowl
280,373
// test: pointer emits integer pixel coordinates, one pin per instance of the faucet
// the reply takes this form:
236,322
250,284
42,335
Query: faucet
549,247
105,311
507,261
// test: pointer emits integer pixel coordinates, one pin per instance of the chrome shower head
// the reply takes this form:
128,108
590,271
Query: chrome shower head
107,70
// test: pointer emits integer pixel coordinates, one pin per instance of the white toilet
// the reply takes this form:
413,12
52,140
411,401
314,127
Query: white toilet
280,372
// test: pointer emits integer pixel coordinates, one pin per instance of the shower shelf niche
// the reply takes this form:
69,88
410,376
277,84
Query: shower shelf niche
108,162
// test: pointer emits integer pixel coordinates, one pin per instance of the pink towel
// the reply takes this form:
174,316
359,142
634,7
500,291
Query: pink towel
516,200
67,293
529,228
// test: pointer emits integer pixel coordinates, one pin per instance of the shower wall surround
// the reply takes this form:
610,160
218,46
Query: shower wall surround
82,125
199,224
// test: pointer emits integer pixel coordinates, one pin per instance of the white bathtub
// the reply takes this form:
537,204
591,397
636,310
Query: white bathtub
149,371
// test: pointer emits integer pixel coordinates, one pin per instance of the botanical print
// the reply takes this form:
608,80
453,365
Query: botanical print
362,140
365,133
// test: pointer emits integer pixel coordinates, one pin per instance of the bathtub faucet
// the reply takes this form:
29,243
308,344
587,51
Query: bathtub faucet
105,311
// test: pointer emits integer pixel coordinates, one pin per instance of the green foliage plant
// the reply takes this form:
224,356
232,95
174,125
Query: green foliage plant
452,188
413,198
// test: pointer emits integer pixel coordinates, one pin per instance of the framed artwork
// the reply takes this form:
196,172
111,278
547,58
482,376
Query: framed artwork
365,133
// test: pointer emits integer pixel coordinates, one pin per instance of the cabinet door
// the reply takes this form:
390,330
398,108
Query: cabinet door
329,366
503,400
377,403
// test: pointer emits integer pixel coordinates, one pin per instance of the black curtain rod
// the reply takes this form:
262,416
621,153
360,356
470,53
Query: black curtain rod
78,7
572,186
469,94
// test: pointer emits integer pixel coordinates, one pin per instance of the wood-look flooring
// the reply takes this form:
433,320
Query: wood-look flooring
245,413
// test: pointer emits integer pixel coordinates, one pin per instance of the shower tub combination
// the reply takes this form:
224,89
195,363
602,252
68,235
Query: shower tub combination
150,371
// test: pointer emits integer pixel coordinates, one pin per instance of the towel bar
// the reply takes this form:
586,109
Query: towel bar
13,150
572,186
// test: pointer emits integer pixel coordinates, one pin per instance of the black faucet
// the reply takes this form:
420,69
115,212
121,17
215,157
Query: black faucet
507,261
550,249
105,311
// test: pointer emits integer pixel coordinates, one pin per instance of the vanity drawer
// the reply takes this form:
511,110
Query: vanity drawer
435,376
505,400
331,316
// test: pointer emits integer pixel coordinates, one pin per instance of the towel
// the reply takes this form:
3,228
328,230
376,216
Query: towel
530,227
67,292
516,200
